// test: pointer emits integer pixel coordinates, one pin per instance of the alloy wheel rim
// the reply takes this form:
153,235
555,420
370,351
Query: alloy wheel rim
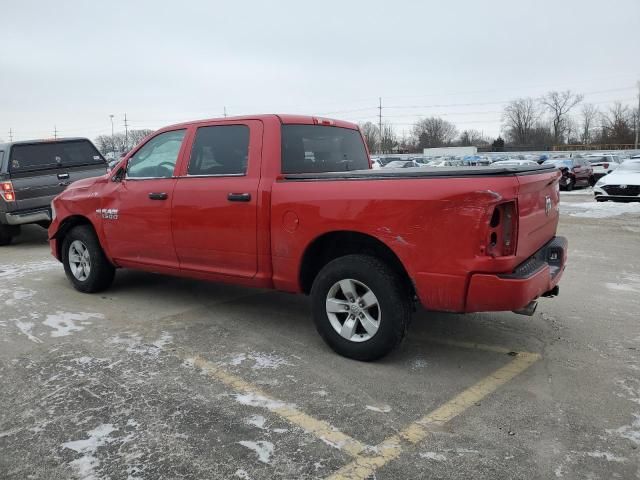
353,310
79,260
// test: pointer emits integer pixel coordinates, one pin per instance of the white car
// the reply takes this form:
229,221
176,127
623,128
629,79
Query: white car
603,163
514,163
622,184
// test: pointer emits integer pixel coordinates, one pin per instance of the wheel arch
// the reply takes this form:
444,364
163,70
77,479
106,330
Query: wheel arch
335,244
65,227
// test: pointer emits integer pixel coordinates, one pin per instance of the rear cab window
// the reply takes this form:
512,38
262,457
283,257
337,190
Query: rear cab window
320,148
45,155
220,150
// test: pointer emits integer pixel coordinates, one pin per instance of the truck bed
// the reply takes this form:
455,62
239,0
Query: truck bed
422,172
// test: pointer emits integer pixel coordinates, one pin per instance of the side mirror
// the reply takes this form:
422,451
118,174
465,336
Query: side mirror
119,174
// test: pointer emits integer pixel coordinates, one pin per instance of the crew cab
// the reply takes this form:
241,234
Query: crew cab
290,203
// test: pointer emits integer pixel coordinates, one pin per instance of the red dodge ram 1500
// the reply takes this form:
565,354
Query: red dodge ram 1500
291,203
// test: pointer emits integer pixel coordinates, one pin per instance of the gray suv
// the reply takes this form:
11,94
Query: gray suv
33,172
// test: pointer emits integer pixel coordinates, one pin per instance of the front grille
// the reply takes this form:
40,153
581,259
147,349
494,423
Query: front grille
629,191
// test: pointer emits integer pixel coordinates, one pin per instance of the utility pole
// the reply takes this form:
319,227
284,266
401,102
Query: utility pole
380,121
638,117
225,111
126,133
113,142
55,133
10,135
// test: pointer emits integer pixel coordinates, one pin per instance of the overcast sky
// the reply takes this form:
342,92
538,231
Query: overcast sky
72,64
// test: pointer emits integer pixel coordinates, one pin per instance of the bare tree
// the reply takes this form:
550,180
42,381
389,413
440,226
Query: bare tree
589,114
136,136
388,140
559,104
472,138
520,116
371,135
617,125
434,132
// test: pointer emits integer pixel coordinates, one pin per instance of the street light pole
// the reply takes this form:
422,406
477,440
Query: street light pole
113,143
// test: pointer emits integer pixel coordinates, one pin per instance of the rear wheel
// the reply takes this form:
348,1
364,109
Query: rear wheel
360,307
84,261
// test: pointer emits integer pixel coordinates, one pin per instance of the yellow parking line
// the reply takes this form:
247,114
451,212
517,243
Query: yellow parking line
364,466
324,431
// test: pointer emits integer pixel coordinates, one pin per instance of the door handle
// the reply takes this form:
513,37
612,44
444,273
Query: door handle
158,196
239,197
64,184
63,176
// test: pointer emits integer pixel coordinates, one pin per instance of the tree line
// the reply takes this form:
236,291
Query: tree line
120,142
556,118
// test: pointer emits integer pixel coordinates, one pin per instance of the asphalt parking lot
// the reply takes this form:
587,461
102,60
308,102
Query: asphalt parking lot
171,378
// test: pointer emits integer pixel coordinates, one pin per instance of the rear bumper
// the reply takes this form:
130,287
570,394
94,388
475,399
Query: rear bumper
539,274
29,216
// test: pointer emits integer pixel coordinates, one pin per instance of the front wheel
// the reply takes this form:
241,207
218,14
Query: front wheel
360,307
84,261
7,232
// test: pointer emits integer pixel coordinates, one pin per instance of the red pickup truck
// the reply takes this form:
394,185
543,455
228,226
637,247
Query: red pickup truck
291,203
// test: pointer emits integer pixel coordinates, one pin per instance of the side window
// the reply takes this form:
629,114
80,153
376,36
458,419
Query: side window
157,158
220,150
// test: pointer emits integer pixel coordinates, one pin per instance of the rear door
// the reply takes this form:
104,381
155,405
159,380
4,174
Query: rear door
40,171
214,206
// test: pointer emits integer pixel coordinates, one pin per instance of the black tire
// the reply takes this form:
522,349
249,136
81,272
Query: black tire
7,232
395,305
101,272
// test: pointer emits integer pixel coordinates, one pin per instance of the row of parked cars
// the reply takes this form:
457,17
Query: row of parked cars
577,171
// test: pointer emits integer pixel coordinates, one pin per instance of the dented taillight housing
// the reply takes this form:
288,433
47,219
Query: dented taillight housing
502,232
7,192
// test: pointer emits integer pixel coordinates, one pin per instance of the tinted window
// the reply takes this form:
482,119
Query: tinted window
220,150
318,148
157,158
37,156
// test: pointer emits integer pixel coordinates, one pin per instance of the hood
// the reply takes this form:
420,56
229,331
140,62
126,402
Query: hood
621,178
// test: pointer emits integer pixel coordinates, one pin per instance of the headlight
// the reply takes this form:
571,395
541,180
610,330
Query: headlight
600,183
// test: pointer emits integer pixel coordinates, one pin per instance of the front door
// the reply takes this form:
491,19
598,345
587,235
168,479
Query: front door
215,201
136,211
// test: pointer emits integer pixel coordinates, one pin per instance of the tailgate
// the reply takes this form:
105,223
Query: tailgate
538,198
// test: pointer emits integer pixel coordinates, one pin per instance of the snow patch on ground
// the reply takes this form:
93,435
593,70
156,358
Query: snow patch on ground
20,270
630,283
86,465
599,209
582,191
255,400
379,408
630,432
256,421
240,473
64,323
134,344
15,296
438,457
263,448
261,360
25,329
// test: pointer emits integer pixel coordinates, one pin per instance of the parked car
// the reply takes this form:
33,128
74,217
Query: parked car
603,164
622,184
576,172
212,200
514,163
403,164
33,172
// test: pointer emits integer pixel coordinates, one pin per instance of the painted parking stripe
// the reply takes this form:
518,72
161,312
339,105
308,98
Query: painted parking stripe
321,429
391,448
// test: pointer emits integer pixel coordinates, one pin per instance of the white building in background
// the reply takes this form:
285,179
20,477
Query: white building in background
449,151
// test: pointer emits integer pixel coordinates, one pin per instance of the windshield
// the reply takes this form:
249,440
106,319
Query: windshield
598,159
559,163
319,148
37,156
630,166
